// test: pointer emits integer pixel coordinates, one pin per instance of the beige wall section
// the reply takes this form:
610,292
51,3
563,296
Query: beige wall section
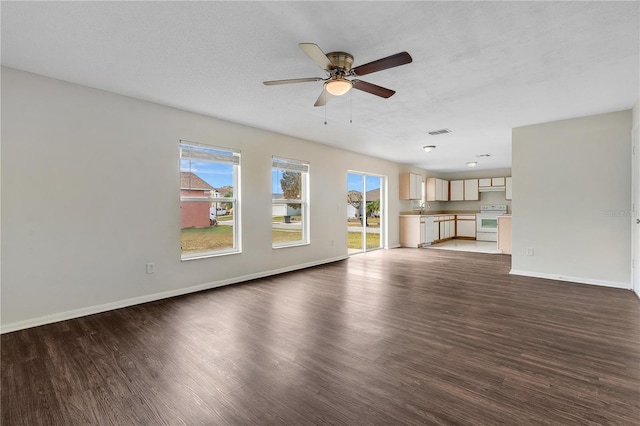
90,194
572,181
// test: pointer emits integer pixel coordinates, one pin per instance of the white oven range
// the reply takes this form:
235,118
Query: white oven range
487,221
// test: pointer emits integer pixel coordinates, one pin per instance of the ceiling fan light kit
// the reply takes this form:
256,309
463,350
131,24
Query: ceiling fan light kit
337,65
338,87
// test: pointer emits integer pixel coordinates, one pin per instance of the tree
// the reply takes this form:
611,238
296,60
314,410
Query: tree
228,206
354,198
373,207
291,186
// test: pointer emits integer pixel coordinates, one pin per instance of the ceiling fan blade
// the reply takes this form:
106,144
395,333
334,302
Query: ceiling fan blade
317,55
383,64
323,98
292,80
372,88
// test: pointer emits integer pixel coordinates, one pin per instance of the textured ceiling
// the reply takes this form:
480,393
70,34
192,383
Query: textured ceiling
479,68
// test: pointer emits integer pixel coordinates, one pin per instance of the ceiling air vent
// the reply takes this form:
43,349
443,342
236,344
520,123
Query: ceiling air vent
439,132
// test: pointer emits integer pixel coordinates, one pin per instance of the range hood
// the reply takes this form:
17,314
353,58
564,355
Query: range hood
491,188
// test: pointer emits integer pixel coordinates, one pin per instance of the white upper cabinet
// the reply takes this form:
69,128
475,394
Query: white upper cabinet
484,182
437,189
508,188
491,182
410,186
497,181
457,190
471,190
464,190
444,190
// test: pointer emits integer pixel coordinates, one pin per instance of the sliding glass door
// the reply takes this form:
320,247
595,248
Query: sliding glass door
365,212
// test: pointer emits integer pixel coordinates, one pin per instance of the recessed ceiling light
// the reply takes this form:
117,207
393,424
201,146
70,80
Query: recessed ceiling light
483,155
472,163
429,148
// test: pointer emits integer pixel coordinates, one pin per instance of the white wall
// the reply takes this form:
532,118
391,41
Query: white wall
572,181
90,194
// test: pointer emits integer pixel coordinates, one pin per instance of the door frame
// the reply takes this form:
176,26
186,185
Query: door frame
384,221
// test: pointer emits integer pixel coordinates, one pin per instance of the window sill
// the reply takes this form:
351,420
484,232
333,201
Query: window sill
298,244
207,255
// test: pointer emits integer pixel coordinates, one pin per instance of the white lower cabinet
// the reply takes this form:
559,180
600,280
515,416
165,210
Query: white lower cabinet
444,227
418,231
466,228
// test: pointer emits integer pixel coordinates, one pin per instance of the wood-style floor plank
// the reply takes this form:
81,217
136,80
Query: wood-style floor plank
401,336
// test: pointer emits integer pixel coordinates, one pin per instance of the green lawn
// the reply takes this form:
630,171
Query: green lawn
354,240
207,239
372,222
285,235
221,237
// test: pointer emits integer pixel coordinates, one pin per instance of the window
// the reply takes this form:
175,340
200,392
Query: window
208,200
290,205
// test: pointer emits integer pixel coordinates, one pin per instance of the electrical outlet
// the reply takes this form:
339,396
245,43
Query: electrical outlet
151,268
529,251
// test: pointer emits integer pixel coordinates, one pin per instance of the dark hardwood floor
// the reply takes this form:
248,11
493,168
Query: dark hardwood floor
393,337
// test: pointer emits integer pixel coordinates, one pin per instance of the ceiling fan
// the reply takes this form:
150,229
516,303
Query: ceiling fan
338,67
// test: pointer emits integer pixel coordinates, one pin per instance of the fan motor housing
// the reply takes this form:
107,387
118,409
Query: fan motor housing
341,60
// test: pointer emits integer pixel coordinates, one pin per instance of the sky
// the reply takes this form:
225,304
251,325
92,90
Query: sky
355,182
215,174
219,175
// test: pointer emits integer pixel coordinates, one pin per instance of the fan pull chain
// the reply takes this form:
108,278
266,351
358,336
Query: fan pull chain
325,113
351,107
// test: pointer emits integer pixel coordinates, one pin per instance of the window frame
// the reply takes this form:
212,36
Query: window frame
303,167
223,155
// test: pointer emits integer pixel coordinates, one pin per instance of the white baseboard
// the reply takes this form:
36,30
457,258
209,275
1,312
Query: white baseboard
580,280
96,309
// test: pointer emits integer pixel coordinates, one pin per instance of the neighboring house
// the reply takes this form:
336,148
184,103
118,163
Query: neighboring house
282,209
372,195
195,214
